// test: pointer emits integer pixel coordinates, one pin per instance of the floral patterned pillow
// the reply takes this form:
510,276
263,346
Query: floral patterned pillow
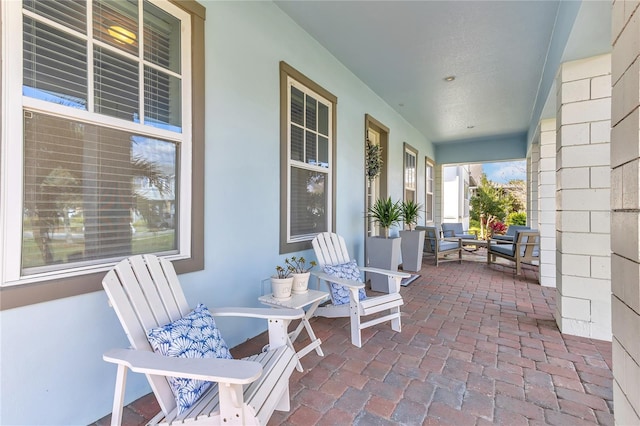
349,271
193,336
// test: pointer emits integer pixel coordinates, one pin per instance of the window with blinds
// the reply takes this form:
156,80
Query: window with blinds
102,107
410,172
429,198
309,163
307,153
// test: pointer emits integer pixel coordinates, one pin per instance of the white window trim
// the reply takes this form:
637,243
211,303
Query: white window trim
429,164
12,147
407,182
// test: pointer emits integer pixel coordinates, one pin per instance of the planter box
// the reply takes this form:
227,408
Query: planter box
411,248
383,253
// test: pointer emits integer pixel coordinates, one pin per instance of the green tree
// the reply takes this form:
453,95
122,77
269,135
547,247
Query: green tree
488,204
515,192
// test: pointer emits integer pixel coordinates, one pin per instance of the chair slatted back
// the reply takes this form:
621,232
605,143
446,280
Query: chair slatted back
430,238
330,249
145,293
529,243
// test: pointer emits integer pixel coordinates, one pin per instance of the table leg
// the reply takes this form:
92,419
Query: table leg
315,342
312,337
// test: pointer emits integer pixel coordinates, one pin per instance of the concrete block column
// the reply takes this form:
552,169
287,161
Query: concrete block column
532,185
438,188
547,202
583,191
625,211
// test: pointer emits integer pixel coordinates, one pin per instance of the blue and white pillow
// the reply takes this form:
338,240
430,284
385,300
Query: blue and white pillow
193,336
349,271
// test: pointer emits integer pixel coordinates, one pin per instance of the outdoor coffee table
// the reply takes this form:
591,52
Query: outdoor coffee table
468,242
311,299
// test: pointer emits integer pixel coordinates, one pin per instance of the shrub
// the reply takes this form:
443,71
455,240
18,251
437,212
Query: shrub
497,227
517,218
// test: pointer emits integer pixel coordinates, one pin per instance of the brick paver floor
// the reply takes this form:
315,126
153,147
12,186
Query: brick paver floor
478,346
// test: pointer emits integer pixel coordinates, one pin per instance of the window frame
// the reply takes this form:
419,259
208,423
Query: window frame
429,170
288,72
76,281
406,182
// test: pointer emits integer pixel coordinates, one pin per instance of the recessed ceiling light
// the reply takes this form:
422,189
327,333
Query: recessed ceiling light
450,78
121,35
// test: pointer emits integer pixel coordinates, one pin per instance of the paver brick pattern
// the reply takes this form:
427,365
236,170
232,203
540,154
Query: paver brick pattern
479,346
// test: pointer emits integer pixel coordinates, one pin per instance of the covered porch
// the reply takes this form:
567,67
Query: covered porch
479,346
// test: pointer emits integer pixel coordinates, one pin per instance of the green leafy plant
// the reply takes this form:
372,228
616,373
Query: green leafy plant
283,271
386,213
517,218
297,265
410,213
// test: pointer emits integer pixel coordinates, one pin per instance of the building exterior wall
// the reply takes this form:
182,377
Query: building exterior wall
583,257
455,196
546,223
625,211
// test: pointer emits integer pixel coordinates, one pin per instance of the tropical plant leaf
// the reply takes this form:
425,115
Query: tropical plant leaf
386,213
410,212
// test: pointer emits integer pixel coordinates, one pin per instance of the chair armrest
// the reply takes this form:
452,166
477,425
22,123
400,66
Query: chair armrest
529,233
385,272
531,239
234,371
342,281
264,313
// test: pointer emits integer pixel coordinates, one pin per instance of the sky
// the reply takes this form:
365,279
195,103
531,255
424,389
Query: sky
505,171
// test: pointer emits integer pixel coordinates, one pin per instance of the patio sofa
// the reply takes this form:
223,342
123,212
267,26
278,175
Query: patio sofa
525,249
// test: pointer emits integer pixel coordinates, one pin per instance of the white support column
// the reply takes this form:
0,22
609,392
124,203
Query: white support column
532,185
439,193
547,202
583,278
625,214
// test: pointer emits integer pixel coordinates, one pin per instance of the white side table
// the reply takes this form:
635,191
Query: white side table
312,299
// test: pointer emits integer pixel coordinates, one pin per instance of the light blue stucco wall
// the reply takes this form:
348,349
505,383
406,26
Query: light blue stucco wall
51,353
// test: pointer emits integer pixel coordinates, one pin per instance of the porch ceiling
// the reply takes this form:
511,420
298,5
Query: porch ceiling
503,54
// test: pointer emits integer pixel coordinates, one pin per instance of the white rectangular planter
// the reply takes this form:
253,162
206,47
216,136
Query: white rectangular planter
383,253
412,246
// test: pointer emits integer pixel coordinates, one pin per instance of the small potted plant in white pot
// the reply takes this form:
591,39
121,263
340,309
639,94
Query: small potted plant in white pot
282,282
384,252
412,240
300,273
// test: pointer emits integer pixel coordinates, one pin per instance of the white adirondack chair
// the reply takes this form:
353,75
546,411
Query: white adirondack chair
145,293
330,249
